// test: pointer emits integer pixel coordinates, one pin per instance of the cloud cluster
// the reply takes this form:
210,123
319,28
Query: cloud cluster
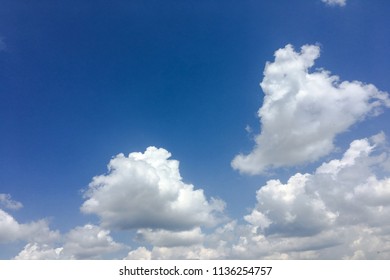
145,190
303,112
87,242
337,212
340,211
335,2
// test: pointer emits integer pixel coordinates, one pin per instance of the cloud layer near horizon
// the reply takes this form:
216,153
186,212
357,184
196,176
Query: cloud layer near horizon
303,112
339,211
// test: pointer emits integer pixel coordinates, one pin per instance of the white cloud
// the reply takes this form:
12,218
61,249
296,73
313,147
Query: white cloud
7,202
36,251
193,252
335,2
145,190
340,211
215,245
141,253
87,242
303,112
11,230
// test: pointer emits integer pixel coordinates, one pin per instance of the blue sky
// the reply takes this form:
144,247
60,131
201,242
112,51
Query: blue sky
83,81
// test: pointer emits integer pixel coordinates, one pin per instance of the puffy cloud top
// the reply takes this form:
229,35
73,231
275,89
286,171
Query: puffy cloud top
335,2
302,112
340,211
145,190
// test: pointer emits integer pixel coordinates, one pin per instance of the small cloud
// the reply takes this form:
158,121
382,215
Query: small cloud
7,202
340,3
11,230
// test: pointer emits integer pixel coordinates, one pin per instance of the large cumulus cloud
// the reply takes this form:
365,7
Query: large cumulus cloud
342,210
303,111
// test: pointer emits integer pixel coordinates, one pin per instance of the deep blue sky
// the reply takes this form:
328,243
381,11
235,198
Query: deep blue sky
81,81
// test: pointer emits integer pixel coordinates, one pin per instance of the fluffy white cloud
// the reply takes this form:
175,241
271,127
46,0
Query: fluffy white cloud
11,230
36,251
335,2
145,190
193,252
214,245
340,211
302,112
141,253
7,202
87,242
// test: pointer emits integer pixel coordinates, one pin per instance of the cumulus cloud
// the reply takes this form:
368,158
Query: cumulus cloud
335,2
87,242
145,190
304,111
37,251
11,230
193,245
141,253
340,211
7,202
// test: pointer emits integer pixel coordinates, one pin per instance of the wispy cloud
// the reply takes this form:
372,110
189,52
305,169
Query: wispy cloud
335,2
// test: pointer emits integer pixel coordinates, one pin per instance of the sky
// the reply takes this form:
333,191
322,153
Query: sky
208,129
